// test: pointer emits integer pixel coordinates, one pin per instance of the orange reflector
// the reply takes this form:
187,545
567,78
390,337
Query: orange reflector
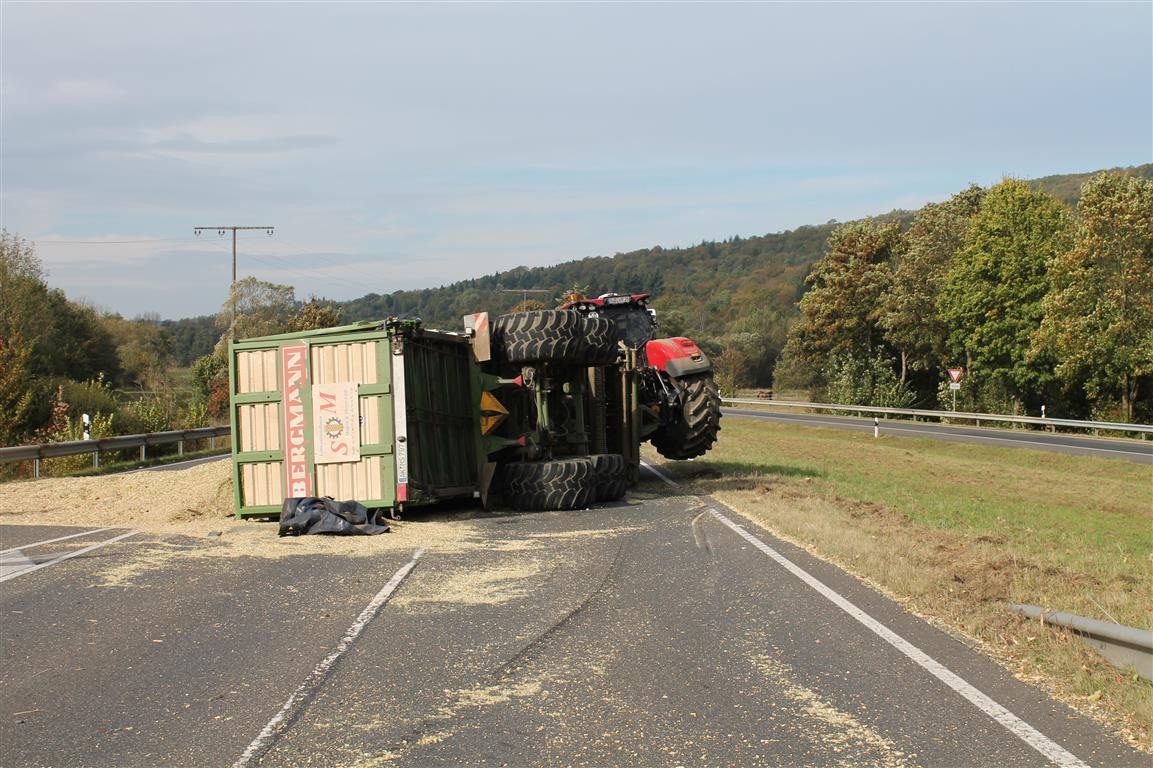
492,413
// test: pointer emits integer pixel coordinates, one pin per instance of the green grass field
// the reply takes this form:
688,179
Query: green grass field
958,532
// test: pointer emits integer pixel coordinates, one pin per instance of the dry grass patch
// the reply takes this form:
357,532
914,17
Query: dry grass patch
959,532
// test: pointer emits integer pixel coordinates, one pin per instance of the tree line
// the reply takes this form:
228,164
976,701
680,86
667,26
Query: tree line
1039,289
1038,303
60,359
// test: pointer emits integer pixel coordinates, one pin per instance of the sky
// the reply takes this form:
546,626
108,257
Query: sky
402,145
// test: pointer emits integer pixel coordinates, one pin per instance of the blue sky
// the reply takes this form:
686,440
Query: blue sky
411,145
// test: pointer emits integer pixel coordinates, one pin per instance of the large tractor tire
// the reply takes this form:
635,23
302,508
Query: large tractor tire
556,484
600,341
541,336
612,479
694,433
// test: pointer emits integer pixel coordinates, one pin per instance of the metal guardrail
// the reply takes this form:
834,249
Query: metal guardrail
1124,646
1143,429
36,453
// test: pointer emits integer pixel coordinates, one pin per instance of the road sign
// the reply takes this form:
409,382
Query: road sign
954,385
955,375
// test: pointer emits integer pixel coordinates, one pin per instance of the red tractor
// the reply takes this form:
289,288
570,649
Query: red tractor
678,400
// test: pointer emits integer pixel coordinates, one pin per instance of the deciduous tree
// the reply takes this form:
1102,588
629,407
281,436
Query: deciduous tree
909,313
1099,314
256,308
992,295
841,312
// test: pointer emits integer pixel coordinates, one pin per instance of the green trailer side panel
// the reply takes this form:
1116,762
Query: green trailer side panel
273,436
442,389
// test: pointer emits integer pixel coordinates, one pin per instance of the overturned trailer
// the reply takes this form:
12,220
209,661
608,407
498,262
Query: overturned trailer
542,410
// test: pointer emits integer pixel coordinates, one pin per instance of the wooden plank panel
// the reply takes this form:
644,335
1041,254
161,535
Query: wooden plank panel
356,355
370,366
271,371
343,354
369,420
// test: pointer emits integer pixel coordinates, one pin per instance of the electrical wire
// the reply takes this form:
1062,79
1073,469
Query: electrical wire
41,243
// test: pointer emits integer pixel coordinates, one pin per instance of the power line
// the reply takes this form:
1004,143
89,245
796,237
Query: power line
41,243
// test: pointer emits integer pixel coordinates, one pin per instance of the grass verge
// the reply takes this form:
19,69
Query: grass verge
957,533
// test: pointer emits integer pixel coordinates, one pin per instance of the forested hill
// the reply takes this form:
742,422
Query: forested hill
708,290
1067,187
706,285
704,289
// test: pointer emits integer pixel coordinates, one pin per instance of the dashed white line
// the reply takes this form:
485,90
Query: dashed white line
1057,754
75,553
262,742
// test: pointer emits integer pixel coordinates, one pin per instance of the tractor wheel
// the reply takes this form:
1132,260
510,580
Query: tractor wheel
557,484
612,479
694,433
541,336
600,341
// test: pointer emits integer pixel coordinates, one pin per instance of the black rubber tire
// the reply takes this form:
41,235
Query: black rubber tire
540,336
612,480
695,432
600,341
555,484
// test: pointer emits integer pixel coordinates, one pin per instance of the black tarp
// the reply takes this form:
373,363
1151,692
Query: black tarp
326,515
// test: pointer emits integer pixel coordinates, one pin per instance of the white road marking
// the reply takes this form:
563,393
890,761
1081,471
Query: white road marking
53,541
1018,727
61,558
13,561
1057,754
659,474
262,742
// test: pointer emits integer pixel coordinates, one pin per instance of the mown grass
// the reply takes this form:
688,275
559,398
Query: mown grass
958,532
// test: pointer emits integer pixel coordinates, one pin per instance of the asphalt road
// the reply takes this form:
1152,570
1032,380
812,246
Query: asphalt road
1140,451
660,632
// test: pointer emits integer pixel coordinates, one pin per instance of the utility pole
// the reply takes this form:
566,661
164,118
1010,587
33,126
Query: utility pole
231,288
221,230
524,292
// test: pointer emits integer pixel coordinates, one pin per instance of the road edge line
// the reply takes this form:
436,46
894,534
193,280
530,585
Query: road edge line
268,734
1050,749
1056,754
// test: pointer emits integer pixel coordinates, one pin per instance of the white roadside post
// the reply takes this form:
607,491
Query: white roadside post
84,417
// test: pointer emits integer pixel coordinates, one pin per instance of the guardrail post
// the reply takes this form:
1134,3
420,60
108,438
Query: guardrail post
142,453
180,448
36,468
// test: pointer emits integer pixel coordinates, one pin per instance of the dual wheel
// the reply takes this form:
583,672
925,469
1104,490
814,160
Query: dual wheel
572,483
561,336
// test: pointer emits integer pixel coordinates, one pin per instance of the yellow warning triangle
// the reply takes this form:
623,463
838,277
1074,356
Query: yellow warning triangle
492,413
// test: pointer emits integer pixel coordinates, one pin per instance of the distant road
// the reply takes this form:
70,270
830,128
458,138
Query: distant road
1140,451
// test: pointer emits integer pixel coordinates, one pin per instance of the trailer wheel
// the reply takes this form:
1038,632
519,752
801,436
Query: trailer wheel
612,480
600,344
540,336
556,484
694,433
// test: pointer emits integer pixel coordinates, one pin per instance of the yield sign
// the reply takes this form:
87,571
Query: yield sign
955,375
